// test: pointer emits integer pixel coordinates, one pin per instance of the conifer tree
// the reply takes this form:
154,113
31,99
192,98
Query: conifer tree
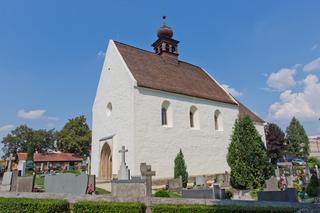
180,168
298,142
247,156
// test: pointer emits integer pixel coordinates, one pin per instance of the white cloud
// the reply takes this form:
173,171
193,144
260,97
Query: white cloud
315,46
312,66
6,128
101,54
282,80
32,114
232,90
304,105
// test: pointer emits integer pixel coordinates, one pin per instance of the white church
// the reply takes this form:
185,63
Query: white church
155,104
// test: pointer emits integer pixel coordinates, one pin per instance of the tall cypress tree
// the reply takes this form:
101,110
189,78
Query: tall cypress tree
247,156
180,168
298,142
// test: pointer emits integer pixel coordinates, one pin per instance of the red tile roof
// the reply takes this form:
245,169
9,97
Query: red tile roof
51,157
153,71
244,111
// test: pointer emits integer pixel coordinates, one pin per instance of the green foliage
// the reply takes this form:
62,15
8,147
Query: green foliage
247,156
26,205
180,168
312,188
312,161
97,207
30,152
161,208
19,139
100,191
275,139
298,142
75,136
39,181
162,193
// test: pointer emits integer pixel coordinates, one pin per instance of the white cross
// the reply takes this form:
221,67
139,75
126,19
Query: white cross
123,151
9,161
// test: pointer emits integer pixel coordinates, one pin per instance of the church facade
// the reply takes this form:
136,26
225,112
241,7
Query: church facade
154,104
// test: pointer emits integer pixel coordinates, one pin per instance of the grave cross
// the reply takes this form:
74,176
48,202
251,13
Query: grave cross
147,173
123,151
9,161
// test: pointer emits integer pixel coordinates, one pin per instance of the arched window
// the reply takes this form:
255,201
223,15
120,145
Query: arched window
194,117
109,109
164,119
218,121
191,119
166,114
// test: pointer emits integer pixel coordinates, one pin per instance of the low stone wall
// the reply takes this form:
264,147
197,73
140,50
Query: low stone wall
154,200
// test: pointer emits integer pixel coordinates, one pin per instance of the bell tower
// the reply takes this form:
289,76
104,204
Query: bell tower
165,45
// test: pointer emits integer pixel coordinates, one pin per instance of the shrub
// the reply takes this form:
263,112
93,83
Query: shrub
229,194
312,188
161,208
96,207
27,205
247,156
312,161
180,168
162,193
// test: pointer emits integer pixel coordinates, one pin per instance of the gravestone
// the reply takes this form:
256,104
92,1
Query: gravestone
175,185
66,183
200,181
123,172
14,181
23,169
290,181
25,184
147,174
218,193
272,184
9,161
6,182
288,195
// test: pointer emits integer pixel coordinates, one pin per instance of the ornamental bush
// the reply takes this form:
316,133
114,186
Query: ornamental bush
247,156
180,168
161,208
105,207
27,205
312,188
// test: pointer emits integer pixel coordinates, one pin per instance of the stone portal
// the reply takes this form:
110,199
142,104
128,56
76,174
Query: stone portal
105,171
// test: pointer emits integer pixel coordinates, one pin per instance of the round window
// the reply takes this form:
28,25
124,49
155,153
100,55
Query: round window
109,109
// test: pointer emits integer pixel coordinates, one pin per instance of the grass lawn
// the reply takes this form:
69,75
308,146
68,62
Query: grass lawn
100,191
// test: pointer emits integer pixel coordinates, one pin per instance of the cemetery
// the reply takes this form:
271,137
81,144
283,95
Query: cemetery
76,192
165,136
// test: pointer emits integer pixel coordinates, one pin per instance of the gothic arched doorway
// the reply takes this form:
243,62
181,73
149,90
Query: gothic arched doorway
106,162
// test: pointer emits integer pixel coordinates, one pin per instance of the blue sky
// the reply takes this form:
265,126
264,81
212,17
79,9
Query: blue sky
51,53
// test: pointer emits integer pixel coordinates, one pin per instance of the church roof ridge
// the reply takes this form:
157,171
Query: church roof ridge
153,53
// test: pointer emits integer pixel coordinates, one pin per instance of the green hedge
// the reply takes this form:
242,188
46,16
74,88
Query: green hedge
26,205
161,208
92,206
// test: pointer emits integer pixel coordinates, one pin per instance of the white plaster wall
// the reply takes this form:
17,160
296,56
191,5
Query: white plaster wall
205,149
116,85
260,128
